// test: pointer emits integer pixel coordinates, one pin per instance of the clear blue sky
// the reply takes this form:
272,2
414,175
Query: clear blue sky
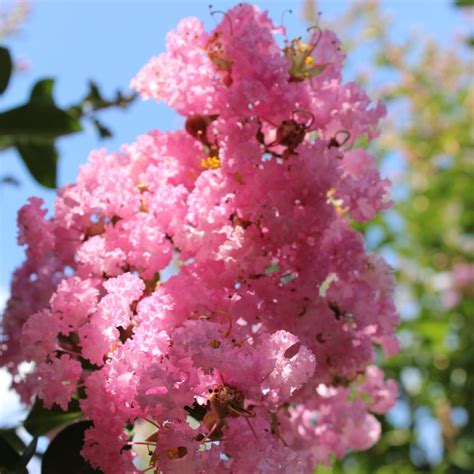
109,41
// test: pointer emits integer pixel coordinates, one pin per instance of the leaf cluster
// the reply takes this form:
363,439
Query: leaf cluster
34,127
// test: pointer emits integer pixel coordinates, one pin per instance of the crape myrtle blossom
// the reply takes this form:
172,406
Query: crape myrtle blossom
258,354
460,282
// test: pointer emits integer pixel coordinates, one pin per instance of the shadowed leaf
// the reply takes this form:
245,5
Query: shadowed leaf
9,458
41,161
42,92
37,122
6,66
25,458
40,420
63,455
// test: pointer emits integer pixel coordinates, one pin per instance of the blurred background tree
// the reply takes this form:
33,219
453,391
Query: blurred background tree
427,143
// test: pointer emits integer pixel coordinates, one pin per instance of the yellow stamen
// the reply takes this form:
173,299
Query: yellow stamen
337,203
302,63
340,211
211,163
303,47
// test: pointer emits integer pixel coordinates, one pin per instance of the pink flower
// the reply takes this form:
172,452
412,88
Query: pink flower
208,282
58,380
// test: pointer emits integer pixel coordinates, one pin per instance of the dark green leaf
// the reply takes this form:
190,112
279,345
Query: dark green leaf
41,160
94,97
63,455
197,411
10,436
27,455
124,101
40,420
9,457
37,122
464,3
5,143
102,130
42,92
6,66
75,111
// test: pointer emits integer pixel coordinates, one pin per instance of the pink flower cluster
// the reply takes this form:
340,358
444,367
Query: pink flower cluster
461,284
208,282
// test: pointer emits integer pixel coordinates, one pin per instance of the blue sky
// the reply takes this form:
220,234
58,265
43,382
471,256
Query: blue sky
109,41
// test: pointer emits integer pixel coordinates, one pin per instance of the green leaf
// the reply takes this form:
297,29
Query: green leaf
197,411
41,161
322,469
41,421
42,92
9,457
464,3
63,455
37,122
94,96
11,461
6,66
5,143
102,130
10,436
27,455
